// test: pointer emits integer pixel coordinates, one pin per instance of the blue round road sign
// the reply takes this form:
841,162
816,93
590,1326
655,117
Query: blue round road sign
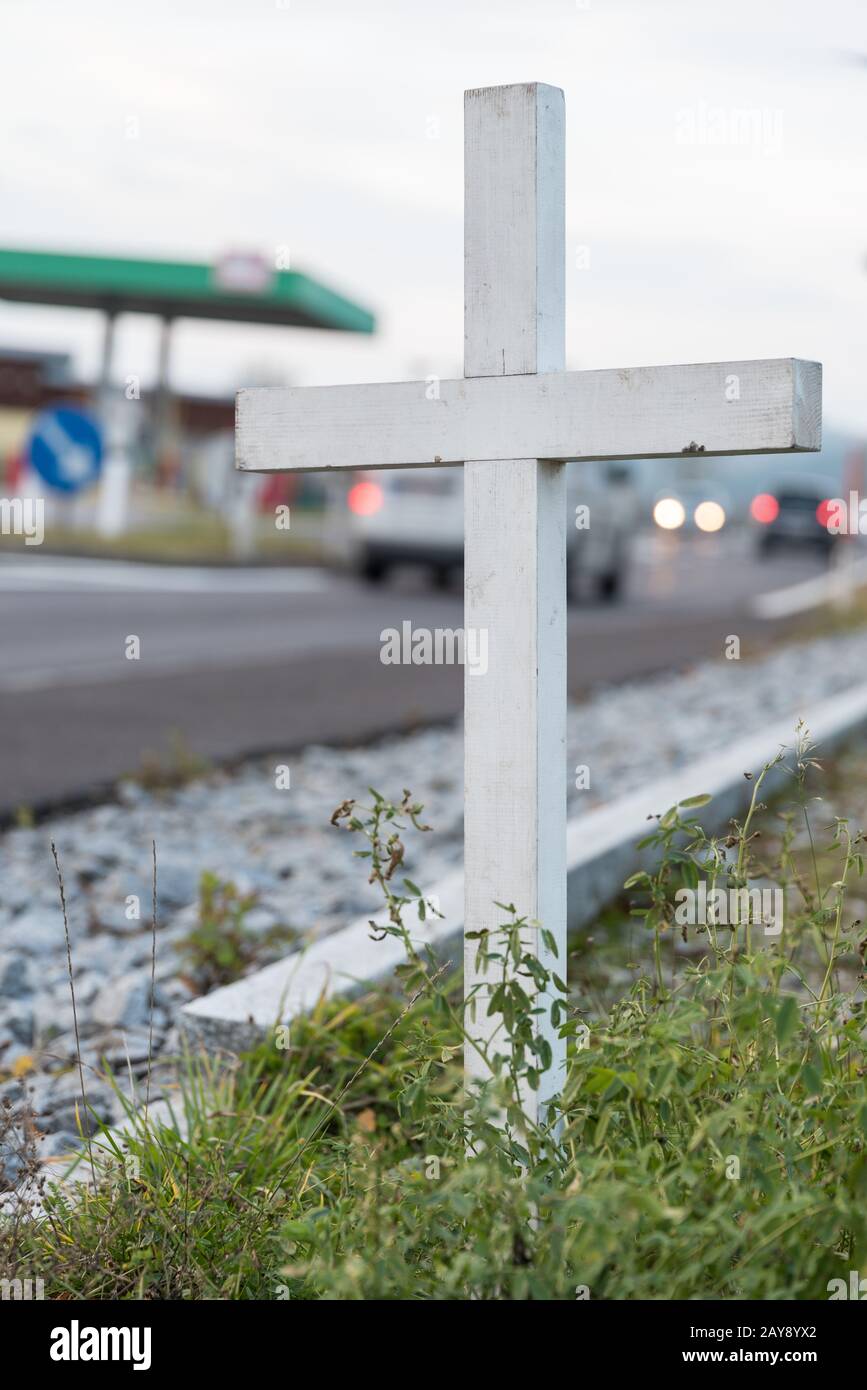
65,448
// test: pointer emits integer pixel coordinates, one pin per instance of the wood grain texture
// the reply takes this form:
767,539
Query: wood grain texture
514,542
767,406
514,231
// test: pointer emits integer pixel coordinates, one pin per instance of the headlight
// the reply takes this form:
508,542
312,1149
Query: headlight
709,516
669,514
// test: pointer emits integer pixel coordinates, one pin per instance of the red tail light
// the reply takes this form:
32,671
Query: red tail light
823,512
764,508
364,498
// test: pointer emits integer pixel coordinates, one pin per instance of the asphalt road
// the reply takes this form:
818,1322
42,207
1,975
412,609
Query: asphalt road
240,662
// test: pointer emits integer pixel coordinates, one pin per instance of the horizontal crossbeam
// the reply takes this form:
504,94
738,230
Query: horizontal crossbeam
771,406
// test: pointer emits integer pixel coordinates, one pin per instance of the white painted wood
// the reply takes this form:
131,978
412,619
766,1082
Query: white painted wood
514,543
514,231
771,406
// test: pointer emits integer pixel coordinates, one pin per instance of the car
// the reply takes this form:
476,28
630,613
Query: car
400,517
795,513
406,517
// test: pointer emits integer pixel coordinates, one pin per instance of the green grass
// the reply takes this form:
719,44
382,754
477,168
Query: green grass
193,537
711,1141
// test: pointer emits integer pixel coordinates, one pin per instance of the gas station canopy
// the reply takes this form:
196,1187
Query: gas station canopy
242,288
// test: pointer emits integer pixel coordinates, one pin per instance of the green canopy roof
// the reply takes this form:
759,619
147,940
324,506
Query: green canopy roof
240,288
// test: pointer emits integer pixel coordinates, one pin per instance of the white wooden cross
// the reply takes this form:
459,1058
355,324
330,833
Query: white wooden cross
512,421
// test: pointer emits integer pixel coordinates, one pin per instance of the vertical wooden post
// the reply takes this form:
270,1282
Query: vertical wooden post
515,539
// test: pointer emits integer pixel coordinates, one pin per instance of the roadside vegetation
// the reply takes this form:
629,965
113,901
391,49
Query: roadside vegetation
220,947
710,1143
185,536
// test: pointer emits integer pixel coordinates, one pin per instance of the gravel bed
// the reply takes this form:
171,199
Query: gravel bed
278,844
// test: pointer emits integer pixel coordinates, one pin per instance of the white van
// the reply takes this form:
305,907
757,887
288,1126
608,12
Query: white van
399,517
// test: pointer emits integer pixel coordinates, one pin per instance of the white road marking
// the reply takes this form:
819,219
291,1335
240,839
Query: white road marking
62,575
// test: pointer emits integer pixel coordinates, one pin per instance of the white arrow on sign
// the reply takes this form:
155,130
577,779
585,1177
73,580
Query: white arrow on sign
76,461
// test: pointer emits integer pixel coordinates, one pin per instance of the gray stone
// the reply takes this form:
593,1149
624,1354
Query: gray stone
174,991
54,1089
177,882
16,978
259,921
88,984
125,1002
34,932
132,1049
52,1016
12,1164
140,950
17,895
111,906
283,903
74,1113
59,1145
104,954
89,869
180,923
282,862
106,848
130,793
16,1026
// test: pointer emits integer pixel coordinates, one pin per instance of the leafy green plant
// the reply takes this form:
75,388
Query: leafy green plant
710,1140
220,948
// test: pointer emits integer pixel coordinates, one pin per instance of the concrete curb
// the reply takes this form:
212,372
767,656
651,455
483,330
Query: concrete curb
600,855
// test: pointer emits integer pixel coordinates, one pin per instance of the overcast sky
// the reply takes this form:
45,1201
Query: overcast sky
716,177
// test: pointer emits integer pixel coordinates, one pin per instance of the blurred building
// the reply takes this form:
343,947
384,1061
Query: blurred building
31,380
171,440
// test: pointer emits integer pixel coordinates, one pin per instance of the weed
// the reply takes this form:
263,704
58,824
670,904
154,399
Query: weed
709,1142
220,948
